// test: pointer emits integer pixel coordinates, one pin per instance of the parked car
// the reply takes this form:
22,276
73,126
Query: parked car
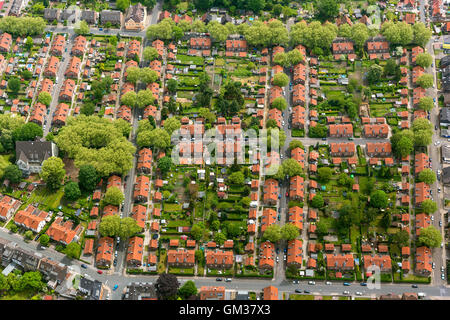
415,286
311,282
358,293
363,284
115,287
306,291
218,279
99,271
346,292
287,193
228,280
84,266
328,283
442,269
346,284
443,276
298,291
278,259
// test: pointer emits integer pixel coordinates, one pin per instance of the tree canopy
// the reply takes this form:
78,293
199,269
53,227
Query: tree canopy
98,142
430,237
53,172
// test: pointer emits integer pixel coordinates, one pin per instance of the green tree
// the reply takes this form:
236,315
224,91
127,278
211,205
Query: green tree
29,234
218,32
14,84
123,5
272,233
402,143
236,178
220,238
83,28
401,238
398,33
289,232
327,10
296,144
172,124
424,60
291,167
279,103
113,196
172,85
158,138
147,75
294,57
45,98
430,237
12,173
426,103
31,280
144,98
425,81
280,79
198,231
72,191
427,176
28,132
164,164
428,206
187,290
26,74
374,74
128,227
44,240
317,201
150,54
129,99
324,174
379,199
421,34
87,177
73,250
110,226
53,172
390,67
321,228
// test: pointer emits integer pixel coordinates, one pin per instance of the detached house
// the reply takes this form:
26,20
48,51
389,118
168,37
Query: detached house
31,154
135,17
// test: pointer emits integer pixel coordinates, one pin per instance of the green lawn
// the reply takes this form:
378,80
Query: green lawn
172,207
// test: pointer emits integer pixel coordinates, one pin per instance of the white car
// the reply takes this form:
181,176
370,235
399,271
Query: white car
358,293
346,292
328,283
278,259
311,282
